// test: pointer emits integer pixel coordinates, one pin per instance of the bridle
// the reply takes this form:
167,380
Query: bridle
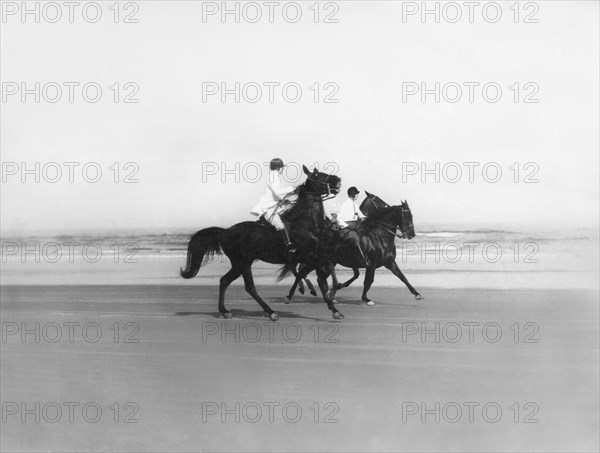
391,228
324,196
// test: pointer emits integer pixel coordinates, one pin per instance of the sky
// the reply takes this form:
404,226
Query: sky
173,145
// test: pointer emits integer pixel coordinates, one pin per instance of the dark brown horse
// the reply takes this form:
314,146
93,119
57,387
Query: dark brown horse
377,235
246,242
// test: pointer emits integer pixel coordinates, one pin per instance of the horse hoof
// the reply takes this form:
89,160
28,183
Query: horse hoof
274,316
313,292
301,289
370,303
337,315
288,300
227,315
418,297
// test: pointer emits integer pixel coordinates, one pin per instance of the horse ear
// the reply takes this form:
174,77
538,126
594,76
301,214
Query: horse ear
368,194
315,171
305,169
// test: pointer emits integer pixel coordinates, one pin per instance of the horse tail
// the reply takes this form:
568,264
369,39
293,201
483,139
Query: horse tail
286,270
203,247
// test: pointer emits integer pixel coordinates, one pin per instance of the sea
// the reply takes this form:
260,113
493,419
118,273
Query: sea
438,256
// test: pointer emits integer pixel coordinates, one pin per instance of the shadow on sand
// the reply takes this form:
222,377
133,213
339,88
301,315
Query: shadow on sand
245,314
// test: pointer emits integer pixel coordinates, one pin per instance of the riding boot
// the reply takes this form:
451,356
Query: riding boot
290,249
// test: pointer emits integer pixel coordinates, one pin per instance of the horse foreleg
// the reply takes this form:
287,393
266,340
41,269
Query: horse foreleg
369,277
392,266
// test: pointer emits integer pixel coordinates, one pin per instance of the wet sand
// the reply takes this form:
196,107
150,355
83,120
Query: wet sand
353,380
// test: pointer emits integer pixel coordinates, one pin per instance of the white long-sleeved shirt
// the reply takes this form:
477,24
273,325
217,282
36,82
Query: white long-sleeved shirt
276,189
349,212
331,206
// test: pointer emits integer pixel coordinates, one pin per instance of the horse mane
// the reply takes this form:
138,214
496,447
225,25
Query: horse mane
382,212
372,203
380,215
293,213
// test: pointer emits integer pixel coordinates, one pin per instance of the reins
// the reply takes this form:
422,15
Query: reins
390,229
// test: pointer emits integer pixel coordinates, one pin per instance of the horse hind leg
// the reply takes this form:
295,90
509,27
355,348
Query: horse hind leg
350,280
322,274
225,281
251,289
300,273
300,286
311,288
354,277
288,298
337,286
297,282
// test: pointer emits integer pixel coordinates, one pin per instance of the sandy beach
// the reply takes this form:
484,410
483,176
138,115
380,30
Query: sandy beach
362,384
459,138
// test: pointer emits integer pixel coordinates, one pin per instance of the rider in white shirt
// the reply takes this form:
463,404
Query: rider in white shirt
331,207
348,217
270,205
350,213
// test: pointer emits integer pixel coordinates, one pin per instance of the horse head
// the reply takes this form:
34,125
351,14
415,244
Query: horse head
321,183
407,226
396,217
